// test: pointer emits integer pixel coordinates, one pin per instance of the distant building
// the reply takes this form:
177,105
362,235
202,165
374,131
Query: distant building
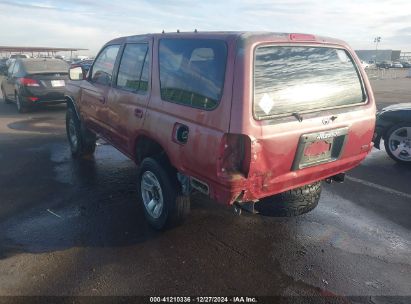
405,56
379,55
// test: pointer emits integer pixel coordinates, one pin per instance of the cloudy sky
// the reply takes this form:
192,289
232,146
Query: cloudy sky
90,23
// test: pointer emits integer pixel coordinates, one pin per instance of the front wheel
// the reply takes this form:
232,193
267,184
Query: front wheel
398,143
292,202
82,141
163,204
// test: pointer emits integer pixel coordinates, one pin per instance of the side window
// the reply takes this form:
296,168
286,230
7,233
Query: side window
10,69
16,68
134,65
192,71
104,64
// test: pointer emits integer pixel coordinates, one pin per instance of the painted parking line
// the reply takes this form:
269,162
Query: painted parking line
379,187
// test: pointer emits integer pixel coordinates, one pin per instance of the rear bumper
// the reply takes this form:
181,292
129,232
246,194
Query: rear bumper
257,187
48,97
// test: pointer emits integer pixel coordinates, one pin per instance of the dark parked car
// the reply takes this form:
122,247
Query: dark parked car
3,65
406,64
394,126
85,64
35,81
384,65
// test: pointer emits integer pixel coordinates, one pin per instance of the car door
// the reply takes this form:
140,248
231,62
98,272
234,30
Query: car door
130,94
95,91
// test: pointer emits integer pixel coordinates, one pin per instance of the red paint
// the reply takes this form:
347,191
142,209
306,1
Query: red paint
317,148
268,148
302,37
33,99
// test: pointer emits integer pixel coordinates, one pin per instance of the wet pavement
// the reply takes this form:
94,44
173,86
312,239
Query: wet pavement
76,228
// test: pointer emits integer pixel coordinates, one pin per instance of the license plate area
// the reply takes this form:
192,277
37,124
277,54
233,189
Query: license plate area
319,148
57,83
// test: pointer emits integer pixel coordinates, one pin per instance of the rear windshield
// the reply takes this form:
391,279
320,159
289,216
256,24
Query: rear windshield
294,79
45,66
192,71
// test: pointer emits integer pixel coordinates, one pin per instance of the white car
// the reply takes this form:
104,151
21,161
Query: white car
364,64
14,57
397,65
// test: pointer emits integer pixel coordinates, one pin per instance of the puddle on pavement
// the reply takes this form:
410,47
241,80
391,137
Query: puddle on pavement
39,124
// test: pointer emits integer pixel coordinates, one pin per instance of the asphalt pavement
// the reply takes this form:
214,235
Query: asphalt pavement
76,228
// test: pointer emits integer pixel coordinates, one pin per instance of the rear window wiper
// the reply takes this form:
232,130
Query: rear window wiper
298,116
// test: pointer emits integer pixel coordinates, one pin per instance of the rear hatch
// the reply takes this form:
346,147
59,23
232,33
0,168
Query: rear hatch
49,78
312,113
299,80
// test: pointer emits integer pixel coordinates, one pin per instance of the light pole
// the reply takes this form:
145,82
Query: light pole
376,41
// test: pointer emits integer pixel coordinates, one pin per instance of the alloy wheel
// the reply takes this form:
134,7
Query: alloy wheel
399,143
72,133
152,194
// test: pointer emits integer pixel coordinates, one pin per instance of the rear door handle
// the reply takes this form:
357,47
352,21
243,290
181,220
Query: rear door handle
102,100
138,113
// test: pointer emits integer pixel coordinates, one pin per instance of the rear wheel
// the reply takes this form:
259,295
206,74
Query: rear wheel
398,143
21,106
82,141
292,202
157,187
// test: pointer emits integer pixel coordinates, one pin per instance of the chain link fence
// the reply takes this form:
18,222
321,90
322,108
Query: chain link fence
392,73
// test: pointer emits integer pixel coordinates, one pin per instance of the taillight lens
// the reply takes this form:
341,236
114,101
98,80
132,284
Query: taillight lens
28,82
234,154
302,37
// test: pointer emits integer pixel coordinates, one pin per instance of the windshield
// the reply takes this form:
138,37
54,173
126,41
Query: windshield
293,79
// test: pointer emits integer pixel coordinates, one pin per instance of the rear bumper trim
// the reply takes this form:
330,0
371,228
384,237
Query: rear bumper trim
258,187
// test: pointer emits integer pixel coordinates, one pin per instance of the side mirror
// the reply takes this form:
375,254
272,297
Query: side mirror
77,73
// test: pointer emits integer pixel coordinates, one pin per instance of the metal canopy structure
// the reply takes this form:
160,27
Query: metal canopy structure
36,49
29,49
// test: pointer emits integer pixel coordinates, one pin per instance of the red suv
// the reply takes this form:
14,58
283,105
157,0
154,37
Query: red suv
238,116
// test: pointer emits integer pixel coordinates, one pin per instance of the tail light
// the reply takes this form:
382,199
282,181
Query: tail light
28,82
302,37
234,154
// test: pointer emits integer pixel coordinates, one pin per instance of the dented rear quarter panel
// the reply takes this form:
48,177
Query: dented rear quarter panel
199,156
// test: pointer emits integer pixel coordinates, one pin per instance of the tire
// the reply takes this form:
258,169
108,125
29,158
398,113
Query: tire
82,141
397,142
21,107
5,99
158,191
292,202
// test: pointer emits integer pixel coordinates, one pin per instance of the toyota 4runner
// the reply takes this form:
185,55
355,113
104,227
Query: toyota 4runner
241,117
